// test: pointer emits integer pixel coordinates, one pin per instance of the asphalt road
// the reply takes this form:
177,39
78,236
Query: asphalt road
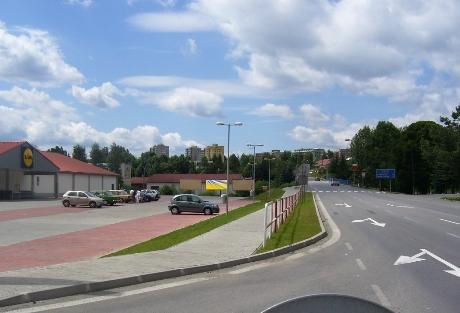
360,263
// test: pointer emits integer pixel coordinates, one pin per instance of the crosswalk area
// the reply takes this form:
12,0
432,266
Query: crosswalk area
350,191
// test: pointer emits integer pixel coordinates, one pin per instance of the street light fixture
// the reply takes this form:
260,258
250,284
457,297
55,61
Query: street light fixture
228,157
254,169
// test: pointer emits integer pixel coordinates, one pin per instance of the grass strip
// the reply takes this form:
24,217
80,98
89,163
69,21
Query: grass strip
183,234
302,224
452,198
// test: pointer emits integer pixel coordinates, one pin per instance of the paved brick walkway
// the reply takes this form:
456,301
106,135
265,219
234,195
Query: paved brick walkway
95,242
36,212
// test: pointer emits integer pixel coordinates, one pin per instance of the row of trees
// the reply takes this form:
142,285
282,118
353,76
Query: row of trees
148,163
426,155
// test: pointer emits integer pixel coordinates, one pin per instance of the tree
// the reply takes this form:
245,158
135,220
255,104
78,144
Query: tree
234,164
59,149
118,155
79,153
98,155
454,122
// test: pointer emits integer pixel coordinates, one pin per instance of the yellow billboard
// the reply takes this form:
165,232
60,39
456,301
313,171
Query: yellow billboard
214,184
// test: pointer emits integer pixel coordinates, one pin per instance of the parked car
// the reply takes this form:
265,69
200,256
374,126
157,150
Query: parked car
108,197
153,194
192,203
335,183
74,198
122,194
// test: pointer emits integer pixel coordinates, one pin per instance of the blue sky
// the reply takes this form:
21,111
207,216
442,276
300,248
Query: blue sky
297,73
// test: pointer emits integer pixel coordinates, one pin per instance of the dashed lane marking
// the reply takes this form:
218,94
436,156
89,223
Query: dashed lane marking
361,264
381,296
449,221
349,247
454,235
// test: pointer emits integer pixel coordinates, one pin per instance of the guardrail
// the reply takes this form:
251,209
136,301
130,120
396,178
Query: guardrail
277,212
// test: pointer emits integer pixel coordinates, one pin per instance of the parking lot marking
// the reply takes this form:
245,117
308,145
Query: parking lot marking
381,296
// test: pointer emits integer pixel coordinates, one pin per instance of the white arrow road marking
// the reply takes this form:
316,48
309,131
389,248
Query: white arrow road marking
373,222
344,204
449,221
411,259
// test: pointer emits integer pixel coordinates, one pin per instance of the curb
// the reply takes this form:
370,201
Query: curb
133,280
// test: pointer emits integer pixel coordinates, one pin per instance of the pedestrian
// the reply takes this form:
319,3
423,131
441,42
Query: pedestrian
138,195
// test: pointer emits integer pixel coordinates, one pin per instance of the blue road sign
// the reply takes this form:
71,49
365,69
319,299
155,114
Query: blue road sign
385,173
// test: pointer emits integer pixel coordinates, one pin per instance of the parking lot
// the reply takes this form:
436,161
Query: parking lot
38,233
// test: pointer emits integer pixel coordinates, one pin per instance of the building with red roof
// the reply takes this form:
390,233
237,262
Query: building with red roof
26,172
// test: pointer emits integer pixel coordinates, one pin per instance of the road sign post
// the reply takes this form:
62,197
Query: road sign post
385,173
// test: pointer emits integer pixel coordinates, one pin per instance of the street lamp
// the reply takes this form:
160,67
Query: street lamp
269,177
254,168
228,157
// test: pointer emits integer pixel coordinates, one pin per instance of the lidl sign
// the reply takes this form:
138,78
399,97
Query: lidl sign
27,157
213,184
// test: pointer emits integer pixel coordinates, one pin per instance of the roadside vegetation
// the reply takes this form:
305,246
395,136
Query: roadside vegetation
452,198
180,235
302,224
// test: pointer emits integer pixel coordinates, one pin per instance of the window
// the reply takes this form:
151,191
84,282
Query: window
72,194
82,195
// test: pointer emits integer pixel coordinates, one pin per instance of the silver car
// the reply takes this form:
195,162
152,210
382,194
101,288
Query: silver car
74,198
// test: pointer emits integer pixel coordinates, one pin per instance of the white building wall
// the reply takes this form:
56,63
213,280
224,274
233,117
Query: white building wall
81,182
95,183
44,184
109,181
64,183
26,183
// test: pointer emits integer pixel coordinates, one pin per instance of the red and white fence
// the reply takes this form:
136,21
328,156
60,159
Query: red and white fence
277,212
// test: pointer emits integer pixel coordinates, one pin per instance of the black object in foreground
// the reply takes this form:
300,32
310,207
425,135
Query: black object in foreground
327,303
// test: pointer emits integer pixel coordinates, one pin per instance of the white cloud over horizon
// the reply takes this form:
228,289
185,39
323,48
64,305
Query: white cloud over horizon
186,21
34,116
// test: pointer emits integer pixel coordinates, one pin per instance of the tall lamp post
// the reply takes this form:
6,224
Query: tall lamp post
254,168
228,157
269,177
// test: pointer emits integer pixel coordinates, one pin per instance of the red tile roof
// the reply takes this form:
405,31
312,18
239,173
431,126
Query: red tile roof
7,146
68,165
323,163
175,178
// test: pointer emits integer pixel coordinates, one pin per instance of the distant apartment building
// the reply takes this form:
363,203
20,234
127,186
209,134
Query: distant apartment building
317,154
276,153
212,150
195,153
346,153
161,150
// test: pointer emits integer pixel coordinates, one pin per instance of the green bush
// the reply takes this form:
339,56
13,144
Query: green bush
241,193
168,190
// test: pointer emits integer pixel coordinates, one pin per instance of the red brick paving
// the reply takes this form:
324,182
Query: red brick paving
95,242
37,212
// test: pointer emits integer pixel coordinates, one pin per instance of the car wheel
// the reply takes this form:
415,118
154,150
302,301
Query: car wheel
66,203
207,211
175,210
92,204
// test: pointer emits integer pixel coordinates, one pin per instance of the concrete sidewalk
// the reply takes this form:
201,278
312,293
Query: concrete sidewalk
235,240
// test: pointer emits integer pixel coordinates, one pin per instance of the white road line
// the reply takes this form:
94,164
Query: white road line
328,191
410,219
342,190
454,235
249,268
349,247
381,296
449,221
356,191
320,191
361,264
349,191
335,191
67,304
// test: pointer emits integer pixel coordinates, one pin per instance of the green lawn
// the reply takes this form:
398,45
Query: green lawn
180,235
302,224
452,198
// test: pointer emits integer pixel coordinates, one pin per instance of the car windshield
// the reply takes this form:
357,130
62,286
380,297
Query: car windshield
90,194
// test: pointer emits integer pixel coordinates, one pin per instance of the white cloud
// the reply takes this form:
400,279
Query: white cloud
101,97
191,47
219,87
270,109
365,46
188,101
313,115
32,56
183,22
83,3
34,116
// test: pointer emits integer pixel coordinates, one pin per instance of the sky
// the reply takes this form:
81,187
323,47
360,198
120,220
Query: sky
297,74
